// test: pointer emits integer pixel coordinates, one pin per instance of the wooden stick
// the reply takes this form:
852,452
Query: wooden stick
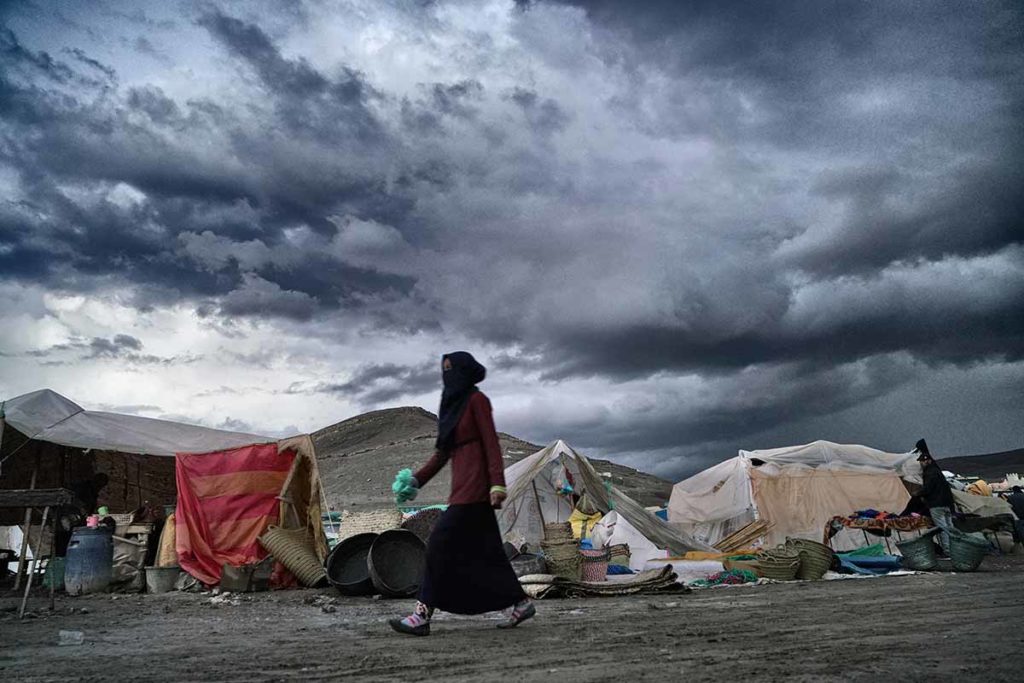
53,555
35,563
537,499
24,536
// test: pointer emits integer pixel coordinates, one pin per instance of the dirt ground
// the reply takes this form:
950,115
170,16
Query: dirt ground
937,626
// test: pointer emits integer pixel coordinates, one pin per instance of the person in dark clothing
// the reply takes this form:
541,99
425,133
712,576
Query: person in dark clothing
1016,501
935,494
467,570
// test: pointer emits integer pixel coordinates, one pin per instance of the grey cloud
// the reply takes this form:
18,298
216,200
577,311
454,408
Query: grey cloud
82,57
544,114
380,384
112,348
668,188
156,105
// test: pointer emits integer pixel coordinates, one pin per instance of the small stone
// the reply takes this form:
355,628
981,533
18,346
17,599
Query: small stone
328,609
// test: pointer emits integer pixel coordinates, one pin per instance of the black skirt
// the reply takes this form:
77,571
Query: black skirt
467,571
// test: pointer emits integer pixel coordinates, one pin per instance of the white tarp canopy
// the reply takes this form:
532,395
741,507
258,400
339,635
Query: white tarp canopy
534,499
797,488
45,415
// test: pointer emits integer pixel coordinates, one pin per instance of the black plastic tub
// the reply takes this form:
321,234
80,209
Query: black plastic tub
396,563
347,566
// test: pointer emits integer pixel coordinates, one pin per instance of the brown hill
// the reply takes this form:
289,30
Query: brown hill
360,456
992,466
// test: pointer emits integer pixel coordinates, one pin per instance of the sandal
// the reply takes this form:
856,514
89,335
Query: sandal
402,627
519,615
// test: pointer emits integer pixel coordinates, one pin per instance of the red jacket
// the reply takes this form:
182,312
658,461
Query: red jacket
476,460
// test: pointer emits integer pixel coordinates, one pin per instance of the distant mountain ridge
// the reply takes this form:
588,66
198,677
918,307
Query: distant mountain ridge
991,466
359,457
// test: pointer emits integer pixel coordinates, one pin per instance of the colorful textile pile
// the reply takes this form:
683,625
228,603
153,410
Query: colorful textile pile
875,525
730,577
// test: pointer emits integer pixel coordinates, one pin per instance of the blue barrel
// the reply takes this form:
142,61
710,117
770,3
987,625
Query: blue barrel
90,561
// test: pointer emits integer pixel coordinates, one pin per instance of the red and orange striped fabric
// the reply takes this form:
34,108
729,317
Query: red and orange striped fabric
226,500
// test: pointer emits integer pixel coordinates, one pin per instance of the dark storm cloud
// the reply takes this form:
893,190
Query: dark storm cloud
121,347
82,57
543,114
813,197
382,383
70,152
109,348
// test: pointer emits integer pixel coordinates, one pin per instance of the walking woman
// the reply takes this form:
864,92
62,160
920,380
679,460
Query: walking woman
466,571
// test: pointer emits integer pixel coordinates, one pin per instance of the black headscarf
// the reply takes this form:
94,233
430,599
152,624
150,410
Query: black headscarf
459,386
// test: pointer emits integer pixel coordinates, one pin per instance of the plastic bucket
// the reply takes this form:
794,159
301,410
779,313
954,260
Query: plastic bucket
161,579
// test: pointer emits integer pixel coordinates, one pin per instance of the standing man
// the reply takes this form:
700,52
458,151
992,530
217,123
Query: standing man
1016,501
935,494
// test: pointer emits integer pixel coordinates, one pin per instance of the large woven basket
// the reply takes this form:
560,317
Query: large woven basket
595,564
779,570
966,551
919,553
558,532
369,522
815,558
294,549
423,522
563,559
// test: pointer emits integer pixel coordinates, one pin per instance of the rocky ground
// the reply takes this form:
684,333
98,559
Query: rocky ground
359,457
937,626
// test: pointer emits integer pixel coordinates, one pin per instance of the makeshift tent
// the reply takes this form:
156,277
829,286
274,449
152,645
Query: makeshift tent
58,444
228,499
798,489
536,495
62,445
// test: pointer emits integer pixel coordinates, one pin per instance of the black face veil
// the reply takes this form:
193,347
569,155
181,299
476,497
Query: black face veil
459,386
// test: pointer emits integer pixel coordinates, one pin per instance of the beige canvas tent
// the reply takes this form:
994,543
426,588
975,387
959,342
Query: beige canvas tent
797,488
534,499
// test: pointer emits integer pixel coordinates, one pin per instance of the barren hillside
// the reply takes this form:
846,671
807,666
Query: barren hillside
360,456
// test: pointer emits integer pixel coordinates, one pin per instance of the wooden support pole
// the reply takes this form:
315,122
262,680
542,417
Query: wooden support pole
35,562
25,528
536,498
53,555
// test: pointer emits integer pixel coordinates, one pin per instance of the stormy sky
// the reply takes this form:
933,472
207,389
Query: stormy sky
670,230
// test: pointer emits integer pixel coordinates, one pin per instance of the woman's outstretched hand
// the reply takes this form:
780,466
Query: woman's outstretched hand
497,499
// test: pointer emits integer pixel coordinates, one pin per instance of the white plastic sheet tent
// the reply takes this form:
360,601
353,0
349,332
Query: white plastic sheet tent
533,500
47,416
798,488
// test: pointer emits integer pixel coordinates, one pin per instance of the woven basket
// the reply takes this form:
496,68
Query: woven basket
779,570
815,558
919,553
371,522
294,549
423,522
966,551
558,532
563,559
595,564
